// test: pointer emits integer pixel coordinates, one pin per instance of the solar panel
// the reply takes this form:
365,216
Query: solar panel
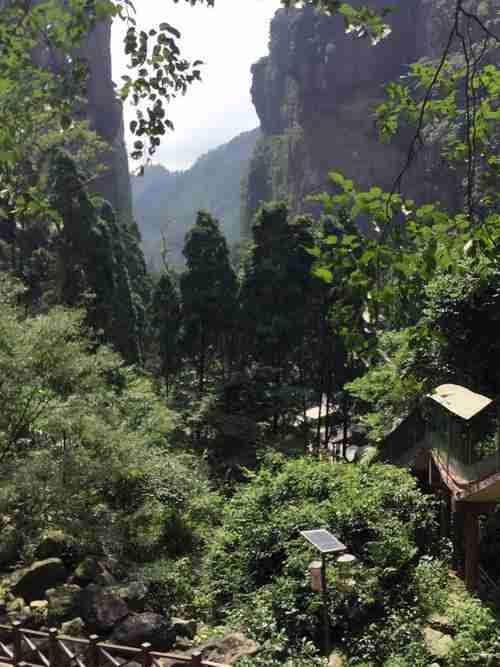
323,540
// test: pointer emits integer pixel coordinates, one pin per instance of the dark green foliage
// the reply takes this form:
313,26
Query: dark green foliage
461,316
97,255
208,289
166,322
276,282
267,178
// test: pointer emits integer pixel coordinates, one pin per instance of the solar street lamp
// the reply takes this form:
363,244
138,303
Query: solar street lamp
325,543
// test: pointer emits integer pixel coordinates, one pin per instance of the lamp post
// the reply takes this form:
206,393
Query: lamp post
325,543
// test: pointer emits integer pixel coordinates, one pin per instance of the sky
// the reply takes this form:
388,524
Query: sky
228,38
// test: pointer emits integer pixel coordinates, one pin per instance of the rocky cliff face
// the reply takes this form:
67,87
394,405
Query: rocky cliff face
106,117
104,112
317,91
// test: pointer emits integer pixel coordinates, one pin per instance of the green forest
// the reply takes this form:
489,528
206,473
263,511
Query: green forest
166,435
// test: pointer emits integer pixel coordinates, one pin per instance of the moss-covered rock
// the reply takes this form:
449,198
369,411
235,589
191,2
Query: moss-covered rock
56,544
63,602
74,628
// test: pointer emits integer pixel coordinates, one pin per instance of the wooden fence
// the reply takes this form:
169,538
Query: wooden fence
31,648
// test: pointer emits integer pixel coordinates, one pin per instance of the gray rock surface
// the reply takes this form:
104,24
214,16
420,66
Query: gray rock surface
100,609
145,627
318,90
230,648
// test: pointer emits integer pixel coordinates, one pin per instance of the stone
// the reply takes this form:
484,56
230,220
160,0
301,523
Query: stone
145,627
92,570
63,602
73,628
184,627
53,544
325,119
337,660
15,605
134,594
437,643
38,605
230,648
32,582
441,623
100,609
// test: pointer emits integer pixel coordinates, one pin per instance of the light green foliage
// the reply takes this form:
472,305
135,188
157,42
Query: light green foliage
96,254
258,560
477,631
67,406
461,112
389,390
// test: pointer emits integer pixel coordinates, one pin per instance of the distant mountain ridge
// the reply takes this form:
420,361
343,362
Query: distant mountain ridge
167,202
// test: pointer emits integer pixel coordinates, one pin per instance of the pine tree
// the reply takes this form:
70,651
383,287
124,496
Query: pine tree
209,291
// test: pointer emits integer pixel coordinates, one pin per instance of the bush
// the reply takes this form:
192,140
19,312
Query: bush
85,445
258,559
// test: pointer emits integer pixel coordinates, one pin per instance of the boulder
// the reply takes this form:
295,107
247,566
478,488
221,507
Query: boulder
73,628
134,594
441,623
230,648
145,627
100,609
184,627
32,582
54,544
337,660
437,643
93,570
15,605
63,602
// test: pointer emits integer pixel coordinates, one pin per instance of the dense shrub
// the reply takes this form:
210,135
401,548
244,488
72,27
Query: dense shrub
84,445
257,561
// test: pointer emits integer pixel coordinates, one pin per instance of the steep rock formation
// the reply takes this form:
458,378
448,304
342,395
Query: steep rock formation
104,113
316,93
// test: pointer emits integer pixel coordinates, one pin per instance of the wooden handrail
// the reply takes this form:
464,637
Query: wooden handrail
24,651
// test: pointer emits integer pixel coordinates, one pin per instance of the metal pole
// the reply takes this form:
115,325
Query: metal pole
326,621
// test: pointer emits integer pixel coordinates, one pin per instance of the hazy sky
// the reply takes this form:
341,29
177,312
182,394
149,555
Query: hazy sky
228,38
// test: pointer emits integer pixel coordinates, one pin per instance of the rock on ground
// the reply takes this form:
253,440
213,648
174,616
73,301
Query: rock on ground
92,570
336,660
73,628
32,582
145,627
63,602
101,610
184,627
230,648
438,644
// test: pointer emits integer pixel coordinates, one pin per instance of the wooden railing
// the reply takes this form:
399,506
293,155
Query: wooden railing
32,648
